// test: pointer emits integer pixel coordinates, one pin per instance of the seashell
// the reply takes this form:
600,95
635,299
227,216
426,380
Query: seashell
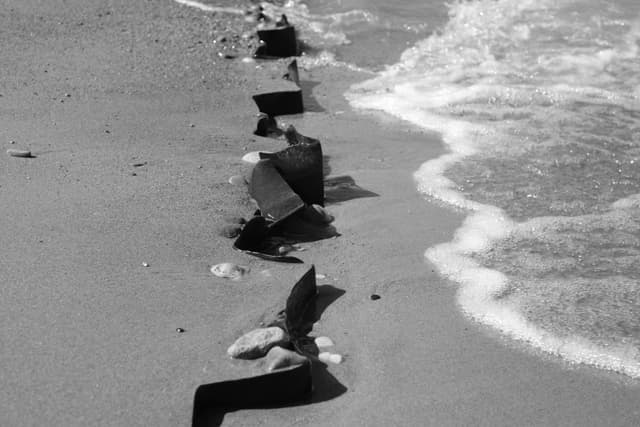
229,270
323,342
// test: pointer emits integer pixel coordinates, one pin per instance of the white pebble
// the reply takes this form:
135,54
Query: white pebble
145,264
327,357
320,276
323,342
248,60
252,157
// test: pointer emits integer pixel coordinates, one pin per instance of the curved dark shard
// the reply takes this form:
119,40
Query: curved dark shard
254,240
301,167
278,42
300,307
268,127
285,98
284,386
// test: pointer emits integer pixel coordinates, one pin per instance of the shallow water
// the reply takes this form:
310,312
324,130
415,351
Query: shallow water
539,104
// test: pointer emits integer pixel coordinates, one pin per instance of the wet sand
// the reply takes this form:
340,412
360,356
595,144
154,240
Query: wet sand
93,88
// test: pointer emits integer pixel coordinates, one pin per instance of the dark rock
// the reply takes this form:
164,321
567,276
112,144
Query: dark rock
280,97
294,137
375,297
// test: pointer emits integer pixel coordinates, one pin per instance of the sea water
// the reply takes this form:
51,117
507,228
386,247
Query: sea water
538,103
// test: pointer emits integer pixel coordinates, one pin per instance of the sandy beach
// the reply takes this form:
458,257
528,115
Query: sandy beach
136,124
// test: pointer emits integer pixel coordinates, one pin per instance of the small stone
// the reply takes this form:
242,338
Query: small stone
248,60
252,157
320,276
278,358
323,342
327,357
12,142
191,125
237,180
138,164
285,249
68,95
229,270
179,330
18,153
230,231
145,264
257,343
375,297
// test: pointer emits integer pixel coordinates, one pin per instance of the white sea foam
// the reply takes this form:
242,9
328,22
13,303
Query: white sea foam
444,83
209,8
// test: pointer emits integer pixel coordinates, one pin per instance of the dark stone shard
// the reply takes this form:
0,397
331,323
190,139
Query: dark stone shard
275,197
268,127
281,98
292,72
301,301
254,240
375,297
301,167
278,42
294,137
284,386
230,230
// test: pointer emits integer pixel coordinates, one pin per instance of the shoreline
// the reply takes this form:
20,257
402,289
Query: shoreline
92,333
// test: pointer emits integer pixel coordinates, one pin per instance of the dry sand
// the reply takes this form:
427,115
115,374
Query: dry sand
89,334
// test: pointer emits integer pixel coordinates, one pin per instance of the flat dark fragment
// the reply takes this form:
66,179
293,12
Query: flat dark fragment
278,42
284,386
280,102
276,199
301,166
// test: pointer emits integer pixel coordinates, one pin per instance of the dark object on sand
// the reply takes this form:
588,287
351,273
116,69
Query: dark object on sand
301,167
281,96
283,386
179,330
254,240
278,42
375,297
298,318
268,127
275,197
